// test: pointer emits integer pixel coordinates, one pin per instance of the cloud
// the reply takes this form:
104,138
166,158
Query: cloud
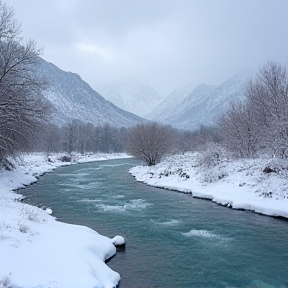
103,52
164,43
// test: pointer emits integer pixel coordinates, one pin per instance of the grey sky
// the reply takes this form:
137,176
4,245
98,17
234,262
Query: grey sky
163,43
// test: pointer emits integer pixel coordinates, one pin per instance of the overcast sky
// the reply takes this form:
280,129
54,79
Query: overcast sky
163,43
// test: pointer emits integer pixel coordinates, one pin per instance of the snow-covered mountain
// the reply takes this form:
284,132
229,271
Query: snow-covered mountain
164,109
206,103
133,97
73,98
197,97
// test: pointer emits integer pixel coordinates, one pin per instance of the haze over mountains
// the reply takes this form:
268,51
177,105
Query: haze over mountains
73,98
136,98
203,105
164,109
186,108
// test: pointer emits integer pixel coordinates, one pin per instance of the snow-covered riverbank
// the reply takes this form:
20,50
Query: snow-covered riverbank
239,184
38,251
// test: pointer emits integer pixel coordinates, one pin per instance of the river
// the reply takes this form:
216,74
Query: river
173,240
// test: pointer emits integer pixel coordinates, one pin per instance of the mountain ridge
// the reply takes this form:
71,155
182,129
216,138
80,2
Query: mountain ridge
205,103
73,98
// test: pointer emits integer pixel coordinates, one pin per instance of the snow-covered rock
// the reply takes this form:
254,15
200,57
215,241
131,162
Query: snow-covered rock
118,241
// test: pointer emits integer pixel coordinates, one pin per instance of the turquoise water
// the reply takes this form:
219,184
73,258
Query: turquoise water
173,240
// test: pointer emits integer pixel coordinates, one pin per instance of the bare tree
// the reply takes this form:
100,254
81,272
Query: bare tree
260,123
239,129
267,95
22,110
150,142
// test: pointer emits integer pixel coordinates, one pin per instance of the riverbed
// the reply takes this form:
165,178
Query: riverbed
173,240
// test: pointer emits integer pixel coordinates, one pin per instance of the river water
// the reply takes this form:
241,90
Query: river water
173,240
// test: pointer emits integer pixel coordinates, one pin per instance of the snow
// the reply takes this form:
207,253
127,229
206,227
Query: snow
238,184
38,251
118,241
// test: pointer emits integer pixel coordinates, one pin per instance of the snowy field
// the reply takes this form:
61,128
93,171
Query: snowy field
38,251
238,184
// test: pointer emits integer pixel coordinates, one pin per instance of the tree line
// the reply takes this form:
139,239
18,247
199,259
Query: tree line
255,126
76,136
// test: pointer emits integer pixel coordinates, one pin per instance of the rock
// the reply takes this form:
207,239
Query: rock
276,165
118,241
49,211
269,169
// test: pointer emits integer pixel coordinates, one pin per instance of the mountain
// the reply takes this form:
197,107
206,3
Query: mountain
164,109
197,97
73,98
206,103
133,97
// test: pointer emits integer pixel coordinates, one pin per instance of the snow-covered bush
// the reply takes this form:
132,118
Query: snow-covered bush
65,158
5,282
30,214
23,228
212,161
3,228
212,154
276,166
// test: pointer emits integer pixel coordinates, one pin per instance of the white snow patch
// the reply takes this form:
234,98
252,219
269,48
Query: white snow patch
239,184
38,251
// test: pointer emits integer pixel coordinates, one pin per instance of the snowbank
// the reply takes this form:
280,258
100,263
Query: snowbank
239,184
38,251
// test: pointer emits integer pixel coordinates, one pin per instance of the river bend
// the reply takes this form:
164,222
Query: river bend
173,240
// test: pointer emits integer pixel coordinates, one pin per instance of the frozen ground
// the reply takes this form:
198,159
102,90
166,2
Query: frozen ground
239,184
38,251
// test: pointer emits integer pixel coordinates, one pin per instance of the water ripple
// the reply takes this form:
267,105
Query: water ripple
172,222
201,233
135,205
